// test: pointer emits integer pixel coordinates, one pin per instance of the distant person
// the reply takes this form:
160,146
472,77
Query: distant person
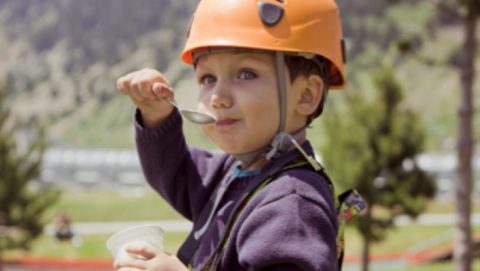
64,231
263,70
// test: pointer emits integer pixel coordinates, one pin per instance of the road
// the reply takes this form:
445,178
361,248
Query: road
111,227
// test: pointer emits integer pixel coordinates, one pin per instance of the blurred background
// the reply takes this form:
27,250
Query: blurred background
70,176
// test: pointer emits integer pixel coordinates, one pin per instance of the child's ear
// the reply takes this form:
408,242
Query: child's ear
311,95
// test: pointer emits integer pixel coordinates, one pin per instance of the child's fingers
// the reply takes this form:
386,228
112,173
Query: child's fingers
141,85
144,250
141,82
134,93
123,83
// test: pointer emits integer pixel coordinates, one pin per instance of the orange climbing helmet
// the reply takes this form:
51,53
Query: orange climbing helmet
303,27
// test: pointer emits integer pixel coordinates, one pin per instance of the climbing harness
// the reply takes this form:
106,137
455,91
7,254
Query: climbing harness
348,205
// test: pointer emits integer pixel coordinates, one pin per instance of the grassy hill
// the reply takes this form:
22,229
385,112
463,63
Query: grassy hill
60,61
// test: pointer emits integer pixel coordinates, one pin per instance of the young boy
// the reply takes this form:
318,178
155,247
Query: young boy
264,68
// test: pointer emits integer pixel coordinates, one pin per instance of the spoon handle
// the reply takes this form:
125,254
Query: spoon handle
191,115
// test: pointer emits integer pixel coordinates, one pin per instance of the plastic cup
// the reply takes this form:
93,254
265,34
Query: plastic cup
142,234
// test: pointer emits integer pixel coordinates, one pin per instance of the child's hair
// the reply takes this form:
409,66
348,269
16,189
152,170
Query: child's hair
301,66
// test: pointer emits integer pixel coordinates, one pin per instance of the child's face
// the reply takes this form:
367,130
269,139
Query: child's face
240,90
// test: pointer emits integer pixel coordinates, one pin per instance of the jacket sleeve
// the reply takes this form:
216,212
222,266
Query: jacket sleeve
184,176
292,230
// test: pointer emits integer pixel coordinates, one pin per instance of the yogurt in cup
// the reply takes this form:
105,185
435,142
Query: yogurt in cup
141,234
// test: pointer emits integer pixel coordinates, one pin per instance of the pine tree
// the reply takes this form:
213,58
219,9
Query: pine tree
21,205
371,145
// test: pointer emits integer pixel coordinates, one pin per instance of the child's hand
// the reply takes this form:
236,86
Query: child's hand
148,258
148,89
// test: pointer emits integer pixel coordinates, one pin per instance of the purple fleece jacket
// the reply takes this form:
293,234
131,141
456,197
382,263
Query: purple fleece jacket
290,224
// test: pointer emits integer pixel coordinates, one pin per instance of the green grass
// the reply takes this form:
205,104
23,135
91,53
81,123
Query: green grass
87,206
404,239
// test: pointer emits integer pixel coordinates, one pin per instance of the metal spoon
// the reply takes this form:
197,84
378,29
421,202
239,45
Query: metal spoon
192,115
197,117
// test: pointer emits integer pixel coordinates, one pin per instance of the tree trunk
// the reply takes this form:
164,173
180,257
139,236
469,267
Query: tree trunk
463,237
366,242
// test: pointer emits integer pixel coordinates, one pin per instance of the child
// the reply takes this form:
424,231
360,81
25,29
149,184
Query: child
264,68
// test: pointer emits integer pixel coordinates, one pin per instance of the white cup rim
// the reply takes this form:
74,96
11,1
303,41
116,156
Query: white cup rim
114,241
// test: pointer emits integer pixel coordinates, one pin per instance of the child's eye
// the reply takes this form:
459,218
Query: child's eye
207,79
247,75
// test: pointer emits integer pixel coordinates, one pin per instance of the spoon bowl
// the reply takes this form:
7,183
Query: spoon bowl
192,115
197,117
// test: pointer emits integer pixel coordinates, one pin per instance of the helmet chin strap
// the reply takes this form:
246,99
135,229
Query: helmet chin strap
283,142
282,89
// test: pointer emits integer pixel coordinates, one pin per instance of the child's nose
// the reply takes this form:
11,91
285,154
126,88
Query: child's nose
221,96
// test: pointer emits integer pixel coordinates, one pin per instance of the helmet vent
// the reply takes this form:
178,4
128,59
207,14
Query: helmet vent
270,14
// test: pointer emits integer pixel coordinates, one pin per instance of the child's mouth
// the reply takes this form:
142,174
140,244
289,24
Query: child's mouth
225,122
